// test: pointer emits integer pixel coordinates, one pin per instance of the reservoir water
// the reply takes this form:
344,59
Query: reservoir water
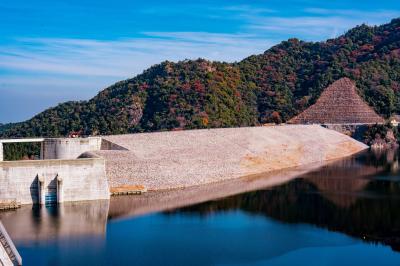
344,213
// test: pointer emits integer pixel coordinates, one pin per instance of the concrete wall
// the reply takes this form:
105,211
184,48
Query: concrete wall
1,152
78,180
69,148
108,145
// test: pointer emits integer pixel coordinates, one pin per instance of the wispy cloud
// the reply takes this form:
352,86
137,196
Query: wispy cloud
376,15
248,9
309,28
318,23
124,58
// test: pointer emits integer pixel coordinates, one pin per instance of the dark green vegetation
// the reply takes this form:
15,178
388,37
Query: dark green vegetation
382,133
271,87
21,151
4,127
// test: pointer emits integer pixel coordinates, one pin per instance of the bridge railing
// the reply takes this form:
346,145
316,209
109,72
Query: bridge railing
15,257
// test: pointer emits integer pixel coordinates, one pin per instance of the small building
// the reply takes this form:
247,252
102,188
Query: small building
394,120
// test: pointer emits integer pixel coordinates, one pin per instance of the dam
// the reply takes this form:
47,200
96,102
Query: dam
79,169
59,176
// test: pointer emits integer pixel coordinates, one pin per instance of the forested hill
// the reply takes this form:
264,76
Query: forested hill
271,87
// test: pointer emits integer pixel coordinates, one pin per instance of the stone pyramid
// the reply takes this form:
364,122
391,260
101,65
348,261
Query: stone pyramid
338,104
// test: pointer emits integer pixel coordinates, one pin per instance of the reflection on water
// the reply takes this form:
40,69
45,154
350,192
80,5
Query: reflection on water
359,196
331,215
56,222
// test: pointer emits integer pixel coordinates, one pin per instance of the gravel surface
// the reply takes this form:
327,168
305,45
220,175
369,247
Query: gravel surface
177,159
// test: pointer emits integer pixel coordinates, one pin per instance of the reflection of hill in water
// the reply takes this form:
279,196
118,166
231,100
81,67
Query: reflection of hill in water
372,218
343,181
344,197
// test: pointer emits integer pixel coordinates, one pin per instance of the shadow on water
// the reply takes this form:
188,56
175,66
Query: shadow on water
359,196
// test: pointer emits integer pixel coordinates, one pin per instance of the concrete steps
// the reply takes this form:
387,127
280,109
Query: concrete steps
9,204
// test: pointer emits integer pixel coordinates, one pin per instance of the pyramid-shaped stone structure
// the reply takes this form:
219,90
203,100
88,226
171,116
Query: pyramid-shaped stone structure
339,104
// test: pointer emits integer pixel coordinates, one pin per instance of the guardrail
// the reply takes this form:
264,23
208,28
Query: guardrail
9,246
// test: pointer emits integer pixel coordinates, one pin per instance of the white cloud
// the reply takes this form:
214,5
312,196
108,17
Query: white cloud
125,58
318,24
248,9
309,28
375,15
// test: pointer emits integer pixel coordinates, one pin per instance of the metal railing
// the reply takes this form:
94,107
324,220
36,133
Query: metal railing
9,246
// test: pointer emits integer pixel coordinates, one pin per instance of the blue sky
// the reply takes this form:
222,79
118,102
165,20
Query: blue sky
53,51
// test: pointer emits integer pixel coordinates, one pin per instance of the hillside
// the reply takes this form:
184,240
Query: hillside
271,87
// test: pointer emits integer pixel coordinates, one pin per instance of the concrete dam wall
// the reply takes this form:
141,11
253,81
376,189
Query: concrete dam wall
60,176
53,180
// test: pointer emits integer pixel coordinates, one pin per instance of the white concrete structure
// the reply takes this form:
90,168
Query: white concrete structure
59,177
58,148
53,180
69,148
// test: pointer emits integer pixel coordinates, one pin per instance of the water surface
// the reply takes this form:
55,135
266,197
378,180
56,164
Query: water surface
344,213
